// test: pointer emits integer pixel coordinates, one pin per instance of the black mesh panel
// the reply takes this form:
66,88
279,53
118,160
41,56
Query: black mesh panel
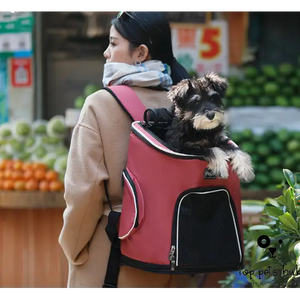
207,235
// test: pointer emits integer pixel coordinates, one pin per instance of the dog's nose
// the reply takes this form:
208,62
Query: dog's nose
210,115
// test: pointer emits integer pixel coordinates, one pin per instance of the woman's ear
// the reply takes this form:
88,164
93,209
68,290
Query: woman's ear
143,53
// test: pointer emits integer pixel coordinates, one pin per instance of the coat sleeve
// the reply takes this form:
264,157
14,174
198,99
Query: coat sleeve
84,186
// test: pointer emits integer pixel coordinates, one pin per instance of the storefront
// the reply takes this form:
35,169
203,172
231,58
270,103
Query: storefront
47,61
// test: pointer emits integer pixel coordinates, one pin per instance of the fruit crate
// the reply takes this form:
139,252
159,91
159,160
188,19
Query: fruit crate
31,199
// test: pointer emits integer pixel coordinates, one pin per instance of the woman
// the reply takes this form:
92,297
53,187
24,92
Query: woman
139,51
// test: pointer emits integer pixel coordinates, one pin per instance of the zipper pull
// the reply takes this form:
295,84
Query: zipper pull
172,258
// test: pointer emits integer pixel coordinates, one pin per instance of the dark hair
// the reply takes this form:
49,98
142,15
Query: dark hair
153,30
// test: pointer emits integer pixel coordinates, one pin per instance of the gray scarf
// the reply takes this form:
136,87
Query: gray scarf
151,73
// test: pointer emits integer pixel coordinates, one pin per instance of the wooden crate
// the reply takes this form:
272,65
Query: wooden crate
34,199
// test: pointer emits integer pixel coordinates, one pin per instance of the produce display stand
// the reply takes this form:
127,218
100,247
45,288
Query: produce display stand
30,223
33,199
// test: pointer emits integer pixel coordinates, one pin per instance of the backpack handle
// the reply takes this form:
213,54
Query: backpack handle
128,100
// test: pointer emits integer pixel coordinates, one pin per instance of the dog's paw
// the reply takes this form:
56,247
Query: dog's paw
241,164
246,176
219,164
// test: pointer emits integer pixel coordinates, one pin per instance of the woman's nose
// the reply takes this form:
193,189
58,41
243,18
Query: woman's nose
106,54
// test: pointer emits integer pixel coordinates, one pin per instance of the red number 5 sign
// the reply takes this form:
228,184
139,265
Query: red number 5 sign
202,49
211,41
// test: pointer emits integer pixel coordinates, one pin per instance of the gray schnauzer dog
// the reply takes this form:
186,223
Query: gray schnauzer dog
198,126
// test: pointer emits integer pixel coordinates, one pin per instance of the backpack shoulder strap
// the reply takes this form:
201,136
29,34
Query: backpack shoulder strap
134,108
128,100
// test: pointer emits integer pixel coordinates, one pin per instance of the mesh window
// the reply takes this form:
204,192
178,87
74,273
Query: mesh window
207,235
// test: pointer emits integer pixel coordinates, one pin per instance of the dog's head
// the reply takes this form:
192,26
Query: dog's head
200,100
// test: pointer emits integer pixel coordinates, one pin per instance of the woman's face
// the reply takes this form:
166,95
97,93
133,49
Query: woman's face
118,49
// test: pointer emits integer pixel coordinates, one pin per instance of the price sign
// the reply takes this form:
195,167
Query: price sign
202,49
21,72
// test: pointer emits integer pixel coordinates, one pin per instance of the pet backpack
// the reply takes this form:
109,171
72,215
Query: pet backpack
176,217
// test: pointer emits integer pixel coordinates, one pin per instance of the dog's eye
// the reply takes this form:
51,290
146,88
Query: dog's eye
215,97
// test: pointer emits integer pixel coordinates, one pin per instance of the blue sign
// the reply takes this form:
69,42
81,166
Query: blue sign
3,92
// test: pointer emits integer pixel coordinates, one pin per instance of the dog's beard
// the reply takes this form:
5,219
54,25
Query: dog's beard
201,122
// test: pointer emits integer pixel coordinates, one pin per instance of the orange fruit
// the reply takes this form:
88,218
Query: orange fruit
55,186
1,175
31,185
39,166
9,164
28,174
17,165
51,175
3,164
8,174
44,186
27,166
16,175
8,185
39,174
19,185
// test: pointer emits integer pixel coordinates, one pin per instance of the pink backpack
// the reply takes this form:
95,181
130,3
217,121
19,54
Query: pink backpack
175,218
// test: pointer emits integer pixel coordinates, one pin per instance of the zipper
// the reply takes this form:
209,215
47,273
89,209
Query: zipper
172,257
144,139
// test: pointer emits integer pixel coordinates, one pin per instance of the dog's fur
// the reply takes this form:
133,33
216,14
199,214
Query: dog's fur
198,126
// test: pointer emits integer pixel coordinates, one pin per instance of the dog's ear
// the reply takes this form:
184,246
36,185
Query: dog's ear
180,90
218,83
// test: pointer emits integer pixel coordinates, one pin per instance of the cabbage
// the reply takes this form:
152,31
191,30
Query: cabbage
39,127
21,129
3,144
14,146
5,155
60,165
39,153
5,131
23,156
49,159
31,143
51,143
56,127
61,150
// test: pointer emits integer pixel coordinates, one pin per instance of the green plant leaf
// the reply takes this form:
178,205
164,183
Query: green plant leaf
253,203
281,200
282,226
261,264
291,250
254,281
265,264
272,210
290,201
289,176
272,201
297,194
288,221
259,227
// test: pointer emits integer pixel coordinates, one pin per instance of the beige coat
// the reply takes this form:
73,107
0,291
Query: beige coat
98,152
